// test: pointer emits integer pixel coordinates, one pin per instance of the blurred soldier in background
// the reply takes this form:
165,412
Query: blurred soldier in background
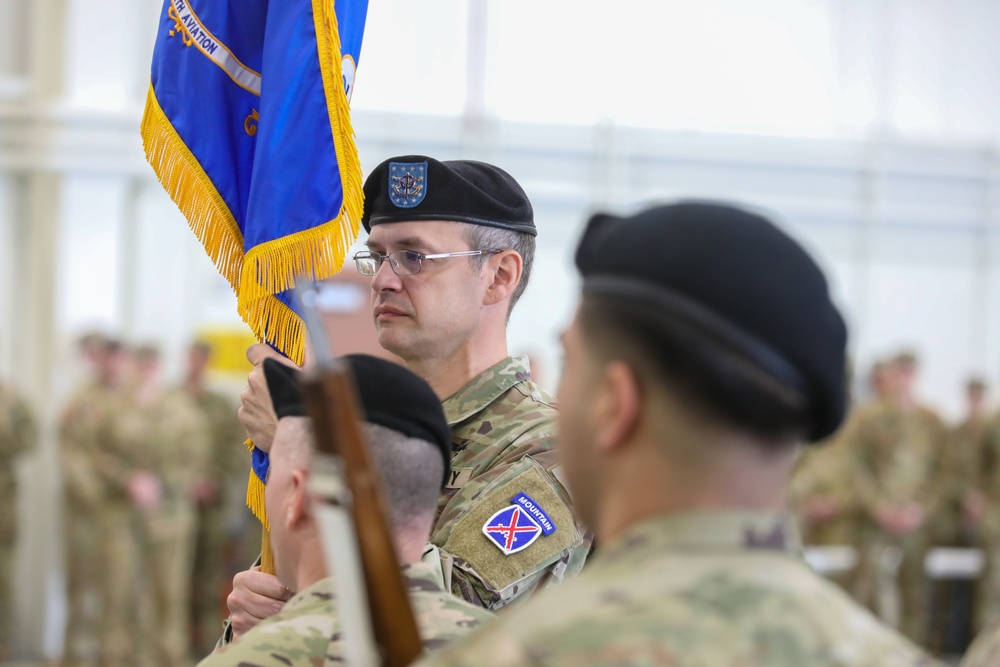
84,438
983,503
964,464
168,439
824,497
18,434
225,458
897,445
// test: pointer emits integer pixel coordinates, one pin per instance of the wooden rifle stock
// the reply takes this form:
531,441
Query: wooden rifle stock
333,407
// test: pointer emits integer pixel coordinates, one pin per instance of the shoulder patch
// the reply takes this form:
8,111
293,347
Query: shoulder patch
503,548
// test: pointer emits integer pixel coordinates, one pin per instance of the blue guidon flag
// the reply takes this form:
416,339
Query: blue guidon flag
247,126
517,526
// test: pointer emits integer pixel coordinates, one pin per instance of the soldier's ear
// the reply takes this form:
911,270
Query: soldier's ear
507,268
618,401
297,509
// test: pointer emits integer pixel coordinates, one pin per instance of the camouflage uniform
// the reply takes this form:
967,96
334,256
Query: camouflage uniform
306,632
84,441
823,472
18,434
503,434
985,650
987,481
503,428
226,458
725,589
171,438
962,467
897,459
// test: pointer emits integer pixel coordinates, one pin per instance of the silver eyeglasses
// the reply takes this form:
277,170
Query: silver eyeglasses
405,262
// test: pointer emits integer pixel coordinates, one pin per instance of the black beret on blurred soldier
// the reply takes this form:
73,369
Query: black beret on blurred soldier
417,187
731,277
389,396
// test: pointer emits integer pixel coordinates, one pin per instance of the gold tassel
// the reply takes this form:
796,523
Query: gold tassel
182,176
255,494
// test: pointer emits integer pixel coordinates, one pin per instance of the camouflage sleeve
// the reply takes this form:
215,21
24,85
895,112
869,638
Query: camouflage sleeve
490,567
938,486
194,441
988,467
807,479
860,441
301,640
84,434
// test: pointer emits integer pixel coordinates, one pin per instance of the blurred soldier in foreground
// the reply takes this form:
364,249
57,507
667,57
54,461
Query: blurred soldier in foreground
225,459
18,435
898,445
410,446
450,250
84,440
704,350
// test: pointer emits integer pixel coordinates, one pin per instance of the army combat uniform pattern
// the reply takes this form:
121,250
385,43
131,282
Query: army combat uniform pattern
150,550
18,434
987,481
84,440
503,427
727,589
823,472
897,460
227,460
306,632
503,434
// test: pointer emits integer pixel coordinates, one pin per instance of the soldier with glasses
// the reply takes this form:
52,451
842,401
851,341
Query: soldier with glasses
459,237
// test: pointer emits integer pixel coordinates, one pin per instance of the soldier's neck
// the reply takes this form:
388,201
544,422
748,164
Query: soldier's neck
450,369
738,473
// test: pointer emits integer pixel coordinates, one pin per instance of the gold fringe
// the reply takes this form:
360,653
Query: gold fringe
319,252
255,498
255,493
269,267
184,179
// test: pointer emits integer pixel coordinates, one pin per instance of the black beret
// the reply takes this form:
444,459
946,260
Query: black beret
390,396
737,276
417,187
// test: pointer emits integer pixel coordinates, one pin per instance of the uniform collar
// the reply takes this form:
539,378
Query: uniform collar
485,388
425,574
708,531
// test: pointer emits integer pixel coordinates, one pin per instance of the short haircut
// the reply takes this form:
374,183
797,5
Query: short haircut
493,238
711,377
409,469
